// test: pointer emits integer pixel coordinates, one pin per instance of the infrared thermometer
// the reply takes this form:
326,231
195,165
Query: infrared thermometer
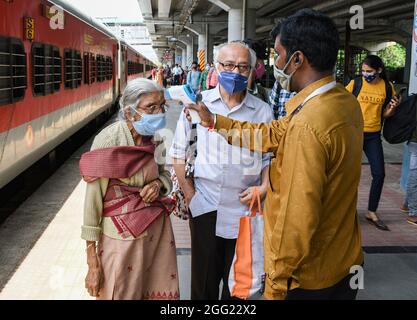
186,95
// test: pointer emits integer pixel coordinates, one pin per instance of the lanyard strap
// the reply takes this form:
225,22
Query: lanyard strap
316,92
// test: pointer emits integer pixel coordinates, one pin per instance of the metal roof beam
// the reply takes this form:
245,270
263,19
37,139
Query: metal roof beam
164,6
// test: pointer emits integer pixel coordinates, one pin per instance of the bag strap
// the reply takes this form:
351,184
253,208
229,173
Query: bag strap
357,86
388,93
256,196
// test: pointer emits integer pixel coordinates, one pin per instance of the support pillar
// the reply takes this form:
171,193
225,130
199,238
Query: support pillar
235,25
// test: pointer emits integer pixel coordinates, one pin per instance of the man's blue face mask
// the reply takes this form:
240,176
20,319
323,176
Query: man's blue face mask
233,82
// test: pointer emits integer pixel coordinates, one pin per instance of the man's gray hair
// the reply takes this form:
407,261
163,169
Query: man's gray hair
133,92
252,54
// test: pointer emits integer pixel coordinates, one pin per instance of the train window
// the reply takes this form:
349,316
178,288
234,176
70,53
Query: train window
109,68
46,69
73,68
86,58
129,67
101,68
13,79
93,68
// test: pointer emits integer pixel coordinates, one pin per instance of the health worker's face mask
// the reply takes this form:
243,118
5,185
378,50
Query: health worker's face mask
283,78
149,124
233,82
369,76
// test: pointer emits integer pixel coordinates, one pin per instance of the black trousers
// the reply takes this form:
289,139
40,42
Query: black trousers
211,258
372,146
340,291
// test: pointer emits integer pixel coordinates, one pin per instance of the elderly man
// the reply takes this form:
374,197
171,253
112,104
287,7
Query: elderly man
312,232
224,175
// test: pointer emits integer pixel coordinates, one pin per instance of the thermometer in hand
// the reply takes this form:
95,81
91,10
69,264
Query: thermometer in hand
195,118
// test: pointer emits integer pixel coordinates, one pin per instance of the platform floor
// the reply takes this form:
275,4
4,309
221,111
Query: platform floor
43,257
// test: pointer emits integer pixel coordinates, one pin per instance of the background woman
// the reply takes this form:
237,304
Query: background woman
372,96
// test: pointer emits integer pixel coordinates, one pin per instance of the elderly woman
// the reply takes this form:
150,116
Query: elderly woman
126,212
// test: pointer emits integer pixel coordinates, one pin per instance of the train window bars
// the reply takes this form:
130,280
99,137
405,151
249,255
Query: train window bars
101,68
129,67
86,64
72,68
93,68
109,68
46,69
13,79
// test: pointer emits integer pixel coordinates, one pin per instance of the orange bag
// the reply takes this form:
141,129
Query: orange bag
247,276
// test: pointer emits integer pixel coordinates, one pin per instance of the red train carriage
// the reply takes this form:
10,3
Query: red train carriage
59,69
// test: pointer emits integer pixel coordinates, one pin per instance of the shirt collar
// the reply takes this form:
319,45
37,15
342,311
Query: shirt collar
215,95
299,98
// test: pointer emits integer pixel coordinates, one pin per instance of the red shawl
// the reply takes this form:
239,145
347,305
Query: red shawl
123,203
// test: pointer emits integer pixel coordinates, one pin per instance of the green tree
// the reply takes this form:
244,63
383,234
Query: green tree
393,56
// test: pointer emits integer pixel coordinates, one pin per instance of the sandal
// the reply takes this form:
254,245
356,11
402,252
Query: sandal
404,209
378,223
412,221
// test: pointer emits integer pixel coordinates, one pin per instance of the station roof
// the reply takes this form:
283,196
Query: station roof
169,20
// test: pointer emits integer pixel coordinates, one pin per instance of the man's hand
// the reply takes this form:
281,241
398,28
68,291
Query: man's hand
247,195
207,118
188,195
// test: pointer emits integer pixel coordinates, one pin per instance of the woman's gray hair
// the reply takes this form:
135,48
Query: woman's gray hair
252,54
133,92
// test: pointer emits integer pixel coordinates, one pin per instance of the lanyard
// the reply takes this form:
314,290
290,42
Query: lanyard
316,92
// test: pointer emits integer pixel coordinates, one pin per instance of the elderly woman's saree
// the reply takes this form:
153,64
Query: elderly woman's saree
143,268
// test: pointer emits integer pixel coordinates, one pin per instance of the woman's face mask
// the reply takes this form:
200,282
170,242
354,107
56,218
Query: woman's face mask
369,76
149,124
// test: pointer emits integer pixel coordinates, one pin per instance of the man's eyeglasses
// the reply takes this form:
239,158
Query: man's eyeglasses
231,66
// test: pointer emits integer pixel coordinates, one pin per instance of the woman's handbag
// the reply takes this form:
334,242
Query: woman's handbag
181,209
247,276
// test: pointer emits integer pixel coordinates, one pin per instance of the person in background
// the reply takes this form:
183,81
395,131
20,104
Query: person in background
131,252
223,187
193,77
181,74
167,76
176,74
203,78
254,87
159,78
411,195
212,77
405,171
185,75
372,99
154,70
